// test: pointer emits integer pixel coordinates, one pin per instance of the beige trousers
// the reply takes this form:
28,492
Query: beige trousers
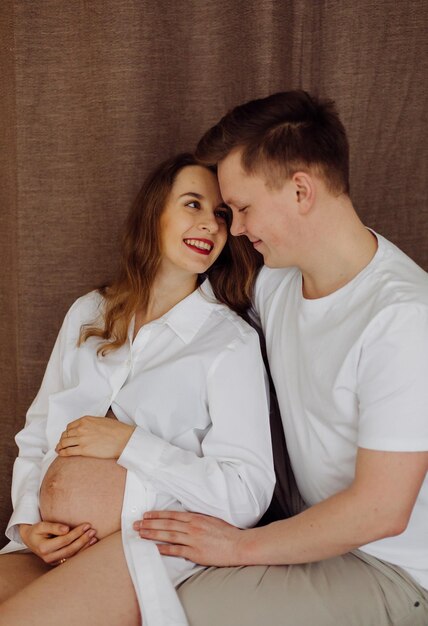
351,590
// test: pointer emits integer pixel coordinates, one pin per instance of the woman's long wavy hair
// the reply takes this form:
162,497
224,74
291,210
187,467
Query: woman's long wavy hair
232,275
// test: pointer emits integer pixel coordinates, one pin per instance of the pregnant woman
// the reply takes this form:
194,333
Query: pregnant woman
154,398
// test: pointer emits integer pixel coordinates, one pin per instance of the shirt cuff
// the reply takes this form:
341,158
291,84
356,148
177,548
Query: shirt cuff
143,452
23,514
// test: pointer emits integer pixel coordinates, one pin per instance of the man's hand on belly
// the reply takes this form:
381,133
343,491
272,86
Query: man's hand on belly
52,541
95,437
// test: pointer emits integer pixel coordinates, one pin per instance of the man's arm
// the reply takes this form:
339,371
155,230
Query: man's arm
378,504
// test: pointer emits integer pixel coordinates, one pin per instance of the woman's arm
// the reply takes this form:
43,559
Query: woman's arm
234,479
33,445
25,526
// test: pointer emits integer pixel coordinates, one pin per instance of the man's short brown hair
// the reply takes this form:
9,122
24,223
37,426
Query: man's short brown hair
279,135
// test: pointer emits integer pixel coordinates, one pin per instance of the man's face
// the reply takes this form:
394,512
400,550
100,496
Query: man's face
268,217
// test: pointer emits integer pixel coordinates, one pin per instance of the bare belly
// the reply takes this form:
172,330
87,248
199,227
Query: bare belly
82,489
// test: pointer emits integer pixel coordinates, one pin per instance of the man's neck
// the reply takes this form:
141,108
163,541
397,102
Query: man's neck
343,251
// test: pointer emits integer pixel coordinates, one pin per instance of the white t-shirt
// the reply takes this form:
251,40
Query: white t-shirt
351,370
193,382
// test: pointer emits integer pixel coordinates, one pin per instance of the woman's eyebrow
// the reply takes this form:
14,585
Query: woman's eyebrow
199,196
192,193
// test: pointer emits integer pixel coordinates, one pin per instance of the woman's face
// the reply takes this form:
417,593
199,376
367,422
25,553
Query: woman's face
193,223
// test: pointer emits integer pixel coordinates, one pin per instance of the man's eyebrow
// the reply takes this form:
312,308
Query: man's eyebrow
232,201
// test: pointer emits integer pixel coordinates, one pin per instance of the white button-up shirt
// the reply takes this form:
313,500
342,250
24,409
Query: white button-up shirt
193,383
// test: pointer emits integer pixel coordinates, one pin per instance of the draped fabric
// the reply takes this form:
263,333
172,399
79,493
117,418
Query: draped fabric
95,93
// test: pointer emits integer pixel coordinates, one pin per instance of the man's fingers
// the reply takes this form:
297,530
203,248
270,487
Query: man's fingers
182,516
170,536
162,524
175,550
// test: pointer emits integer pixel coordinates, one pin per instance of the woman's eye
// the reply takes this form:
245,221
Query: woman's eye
194,204
224,216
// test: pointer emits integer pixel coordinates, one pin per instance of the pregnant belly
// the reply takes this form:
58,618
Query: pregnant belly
81,489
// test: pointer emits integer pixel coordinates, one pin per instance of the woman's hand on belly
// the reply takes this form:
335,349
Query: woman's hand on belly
95,437
53,541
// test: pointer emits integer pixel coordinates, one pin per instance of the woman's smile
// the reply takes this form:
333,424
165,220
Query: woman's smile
201,246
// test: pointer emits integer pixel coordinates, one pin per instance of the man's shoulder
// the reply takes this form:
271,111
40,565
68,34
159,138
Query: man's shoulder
270,280
397,278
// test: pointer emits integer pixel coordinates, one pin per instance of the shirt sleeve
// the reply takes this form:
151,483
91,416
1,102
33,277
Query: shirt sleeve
33,445
234,479
393,381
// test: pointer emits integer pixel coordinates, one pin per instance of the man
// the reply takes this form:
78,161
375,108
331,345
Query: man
345,315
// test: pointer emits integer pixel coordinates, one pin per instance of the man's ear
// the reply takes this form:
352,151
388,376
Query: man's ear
305,191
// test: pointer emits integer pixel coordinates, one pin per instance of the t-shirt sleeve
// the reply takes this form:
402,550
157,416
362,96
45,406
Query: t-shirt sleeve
268,281
393,381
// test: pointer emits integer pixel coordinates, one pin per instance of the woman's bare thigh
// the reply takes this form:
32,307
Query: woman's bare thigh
82,489
93,588
18,570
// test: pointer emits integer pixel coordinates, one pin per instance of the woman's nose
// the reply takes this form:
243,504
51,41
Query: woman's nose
209,223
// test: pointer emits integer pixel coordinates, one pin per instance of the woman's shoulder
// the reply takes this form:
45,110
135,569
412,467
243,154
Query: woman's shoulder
86,308
224,321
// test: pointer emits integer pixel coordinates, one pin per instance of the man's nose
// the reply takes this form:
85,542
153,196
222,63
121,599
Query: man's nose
237,226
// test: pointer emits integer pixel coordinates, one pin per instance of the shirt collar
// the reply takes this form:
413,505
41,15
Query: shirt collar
189,315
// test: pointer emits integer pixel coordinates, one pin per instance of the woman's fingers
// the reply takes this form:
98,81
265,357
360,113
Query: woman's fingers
94,437
66,442
61,541
77,541
51,528
72,449
82,543
52,541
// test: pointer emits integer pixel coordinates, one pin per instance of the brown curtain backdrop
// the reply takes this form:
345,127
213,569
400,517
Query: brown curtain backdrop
94,93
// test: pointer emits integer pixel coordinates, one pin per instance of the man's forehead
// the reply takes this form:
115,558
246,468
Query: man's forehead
232,178
236,185
231,164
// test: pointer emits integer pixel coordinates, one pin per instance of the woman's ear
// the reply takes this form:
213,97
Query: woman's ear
305,191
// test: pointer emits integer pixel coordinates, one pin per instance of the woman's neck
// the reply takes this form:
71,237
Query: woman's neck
167,291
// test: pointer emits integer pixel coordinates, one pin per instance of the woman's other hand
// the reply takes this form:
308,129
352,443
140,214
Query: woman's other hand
200,538
52,541
96,437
